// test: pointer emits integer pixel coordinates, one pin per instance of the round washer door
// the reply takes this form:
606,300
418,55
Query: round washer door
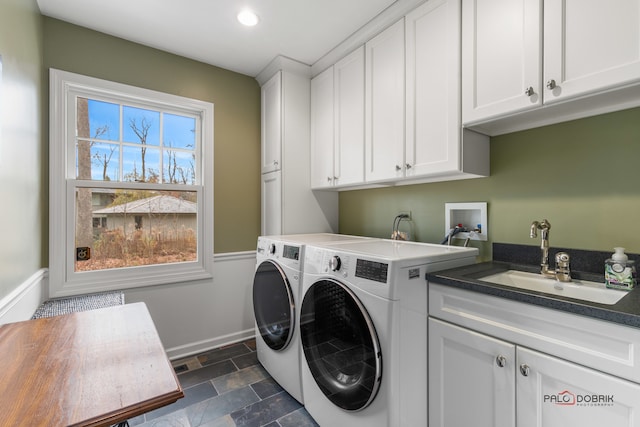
273,305
340,345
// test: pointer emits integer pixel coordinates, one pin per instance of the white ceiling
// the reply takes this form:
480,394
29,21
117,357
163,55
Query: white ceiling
207,30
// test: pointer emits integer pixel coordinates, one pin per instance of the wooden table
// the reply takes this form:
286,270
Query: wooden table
94,368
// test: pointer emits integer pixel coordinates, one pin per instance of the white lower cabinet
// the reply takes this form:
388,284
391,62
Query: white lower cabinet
471,378
552,392
478,380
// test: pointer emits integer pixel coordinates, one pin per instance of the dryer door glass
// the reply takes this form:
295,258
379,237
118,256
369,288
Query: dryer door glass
273,305
340,345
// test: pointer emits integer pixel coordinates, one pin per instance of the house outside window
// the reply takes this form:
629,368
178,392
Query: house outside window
131,173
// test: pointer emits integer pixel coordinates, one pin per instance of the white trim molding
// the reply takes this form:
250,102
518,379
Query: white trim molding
24,300
191,318
65,88
186,350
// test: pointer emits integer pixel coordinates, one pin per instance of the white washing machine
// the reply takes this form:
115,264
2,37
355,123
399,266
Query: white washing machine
276,289
363,324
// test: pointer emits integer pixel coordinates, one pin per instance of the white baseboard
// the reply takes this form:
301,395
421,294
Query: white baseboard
23,301
190,349
229,268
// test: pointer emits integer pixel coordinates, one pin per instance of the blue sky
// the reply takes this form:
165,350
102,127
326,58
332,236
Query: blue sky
170,148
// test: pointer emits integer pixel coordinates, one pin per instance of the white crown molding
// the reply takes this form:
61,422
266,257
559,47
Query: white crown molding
378,24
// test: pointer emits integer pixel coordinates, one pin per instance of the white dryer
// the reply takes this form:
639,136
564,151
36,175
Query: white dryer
363,329
276,289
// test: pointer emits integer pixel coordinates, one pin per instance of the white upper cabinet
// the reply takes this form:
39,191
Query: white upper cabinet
337,124
384,108
433,128
349,119
396,108
501,57
590,45
271,111
322,130
521,56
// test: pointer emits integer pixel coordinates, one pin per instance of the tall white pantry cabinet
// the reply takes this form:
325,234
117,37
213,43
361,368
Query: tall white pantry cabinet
288,205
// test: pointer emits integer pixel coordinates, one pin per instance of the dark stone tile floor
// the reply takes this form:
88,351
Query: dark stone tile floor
227,387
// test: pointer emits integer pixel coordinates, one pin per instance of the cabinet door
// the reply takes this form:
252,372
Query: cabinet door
271,215
433,88
322,130
556,393
590,45
471,378
384,106
271,115
501,57
349,119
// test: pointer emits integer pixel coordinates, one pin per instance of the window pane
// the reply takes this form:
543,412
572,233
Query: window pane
179,131
104,120
140,126
179,167
97,161
140,164
125,228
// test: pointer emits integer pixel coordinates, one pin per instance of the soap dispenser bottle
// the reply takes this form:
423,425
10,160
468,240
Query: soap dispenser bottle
619,271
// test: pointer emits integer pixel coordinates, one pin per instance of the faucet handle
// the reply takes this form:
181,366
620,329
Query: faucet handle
563,272
562,258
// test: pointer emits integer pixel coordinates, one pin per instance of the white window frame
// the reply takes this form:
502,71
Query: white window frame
63,280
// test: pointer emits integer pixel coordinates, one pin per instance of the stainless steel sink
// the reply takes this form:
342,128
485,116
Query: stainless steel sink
578,289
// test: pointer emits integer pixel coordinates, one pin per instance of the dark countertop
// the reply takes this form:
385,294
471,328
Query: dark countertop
625,312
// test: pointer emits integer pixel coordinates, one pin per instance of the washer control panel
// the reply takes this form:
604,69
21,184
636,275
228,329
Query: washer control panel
291,252
372,270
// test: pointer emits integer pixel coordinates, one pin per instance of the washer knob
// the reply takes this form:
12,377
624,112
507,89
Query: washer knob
335,263
272,249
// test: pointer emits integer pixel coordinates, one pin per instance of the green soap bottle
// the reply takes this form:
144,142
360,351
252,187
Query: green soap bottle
619,271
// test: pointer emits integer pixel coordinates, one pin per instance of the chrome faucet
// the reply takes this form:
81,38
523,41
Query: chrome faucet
562,272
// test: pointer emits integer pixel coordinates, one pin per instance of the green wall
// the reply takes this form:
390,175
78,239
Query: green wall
236,100
23,176
583,176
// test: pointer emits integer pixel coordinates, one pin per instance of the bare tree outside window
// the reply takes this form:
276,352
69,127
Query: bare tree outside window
142,132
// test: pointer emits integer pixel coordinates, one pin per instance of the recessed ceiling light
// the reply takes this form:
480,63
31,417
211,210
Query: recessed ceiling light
248,18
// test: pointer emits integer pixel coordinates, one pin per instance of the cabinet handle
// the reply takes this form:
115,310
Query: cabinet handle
501,361
408,166
524,370
275,163
529,91
328,179
551,84
398,168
